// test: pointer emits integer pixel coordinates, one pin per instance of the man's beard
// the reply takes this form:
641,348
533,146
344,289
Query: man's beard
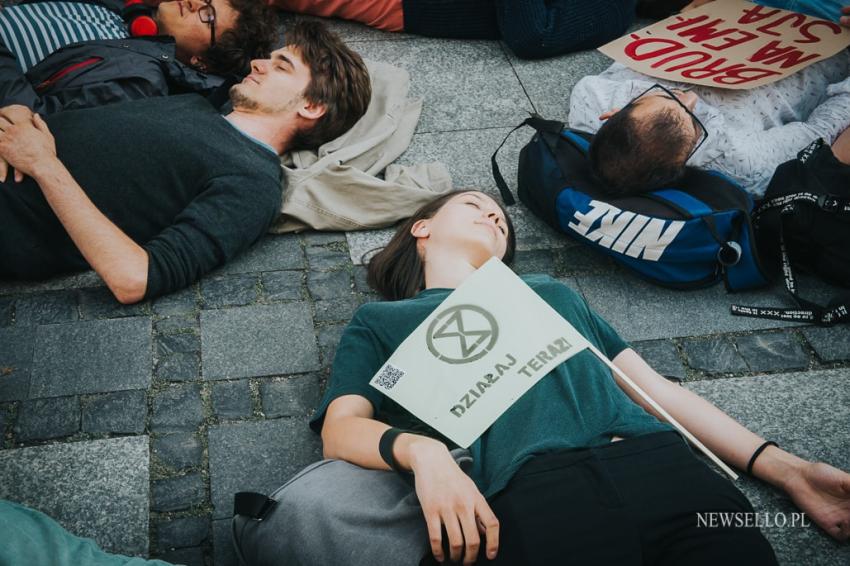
243,101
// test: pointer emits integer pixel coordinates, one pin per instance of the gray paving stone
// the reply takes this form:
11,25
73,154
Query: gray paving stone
181,532
443,73
178,343
323,238
96,489
98,302
73,281
772,352
174,494
549,82
16,351
714,355
46,308
329,337
360,283
258,340
534,261
272,253
282,285
182,366
7,310
232,399
328,284
92,357
326,258
807,414
639,310
336,309
290,397
223,552
228,291
177,408
122,412
830,344
43,419
582,259
663,356
184,556
180,302
177,451
240,458
176,323
362,245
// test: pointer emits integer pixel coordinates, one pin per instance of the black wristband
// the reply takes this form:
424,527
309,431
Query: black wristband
385,447
756,454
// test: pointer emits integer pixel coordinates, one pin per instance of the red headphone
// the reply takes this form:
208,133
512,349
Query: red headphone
139,18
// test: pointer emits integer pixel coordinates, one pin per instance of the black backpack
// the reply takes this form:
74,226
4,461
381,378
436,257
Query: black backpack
803,224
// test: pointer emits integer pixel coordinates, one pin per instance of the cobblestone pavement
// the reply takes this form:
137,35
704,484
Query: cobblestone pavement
135,425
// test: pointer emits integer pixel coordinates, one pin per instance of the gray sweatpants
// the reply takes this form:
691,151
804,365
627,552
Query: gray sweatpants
334,512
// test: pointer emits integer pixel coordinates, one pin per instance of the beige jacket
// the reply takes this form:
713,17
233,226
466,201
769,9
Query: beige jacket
336,188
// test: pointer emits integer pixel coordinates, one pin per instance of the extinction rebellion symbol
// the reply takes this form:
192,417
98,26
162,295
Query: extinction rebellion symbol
462,334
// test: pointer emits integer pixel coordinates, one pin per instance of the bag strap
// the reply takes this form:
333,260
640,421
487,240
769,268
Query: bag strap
827,203
838,309
539,124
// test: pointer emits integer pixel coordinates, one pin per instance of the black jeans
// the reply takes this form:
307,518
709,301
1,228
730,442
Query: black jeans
630,503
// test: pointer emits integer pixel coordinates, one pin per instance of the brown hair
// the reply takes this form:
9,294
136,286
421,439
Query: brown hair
339,80
253,37
396,271
630,155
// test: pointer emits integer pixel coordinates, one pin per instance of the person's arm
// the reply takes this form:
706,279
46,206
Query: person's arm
820,490
27,145
751,157
447,495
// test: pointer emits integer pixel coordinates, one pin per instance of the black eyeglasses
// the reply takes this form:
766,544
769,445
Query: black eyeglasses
207,15
698,126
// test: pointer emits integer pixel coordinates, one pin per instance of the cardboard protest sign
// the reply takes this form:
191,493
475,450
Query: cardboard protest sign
729,44
489,342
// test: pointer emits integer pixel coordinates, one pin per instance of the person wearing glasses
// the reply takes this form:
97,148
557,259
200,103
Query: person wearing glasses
60,55
154,193
649,130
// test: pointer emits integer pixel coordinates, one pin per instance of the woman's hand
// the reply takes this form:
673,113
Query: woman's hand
449,497
823,493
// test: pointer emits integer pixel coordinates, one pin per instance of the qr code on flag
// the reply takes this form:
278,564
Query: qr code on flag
389,376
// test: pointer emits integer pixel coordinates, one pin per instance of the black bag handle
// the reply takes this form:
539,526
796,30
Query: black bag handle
838,309
538,123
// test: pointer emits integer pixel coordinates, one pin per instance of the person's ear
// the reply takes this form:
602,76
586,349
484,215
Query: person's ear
311,110
421,229
606,115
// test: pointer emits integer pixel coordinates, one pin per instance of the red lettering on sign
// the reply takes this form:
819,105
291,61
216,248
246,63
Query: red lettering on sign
669,45
756,14
732,41
746,75
711,69
795,19
811,38
788,57
702,58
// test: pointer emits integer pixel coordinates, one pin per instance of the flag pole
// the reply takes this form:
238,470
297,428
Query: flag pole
669,418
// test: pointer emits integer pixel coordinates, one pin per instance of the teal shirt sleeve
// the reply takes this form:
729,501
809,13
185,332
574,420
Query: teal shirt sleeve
358,357
610,342
31,537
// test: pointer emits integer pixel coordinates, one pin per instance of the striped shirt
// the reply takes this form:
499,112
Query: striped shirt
34,31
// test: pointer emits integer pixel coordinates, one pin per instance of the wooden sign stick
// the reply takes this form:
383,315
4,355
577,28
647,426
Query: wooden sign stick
662,412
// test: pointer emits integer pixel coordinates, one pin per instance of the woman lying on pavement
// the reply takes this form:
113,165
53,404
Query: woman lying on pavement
577,467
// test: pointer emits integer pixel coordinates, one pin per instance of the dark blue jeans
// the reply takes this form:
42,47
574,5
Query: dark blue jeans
534,29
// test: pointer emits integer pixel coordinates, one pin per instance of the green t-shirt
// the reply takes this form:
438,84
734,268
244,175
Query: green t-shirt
577,405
